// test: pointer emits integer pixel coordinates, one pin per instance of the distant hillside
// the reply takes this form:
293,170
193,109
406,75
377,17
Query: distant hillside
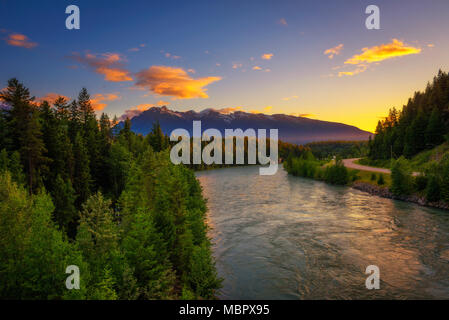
292,129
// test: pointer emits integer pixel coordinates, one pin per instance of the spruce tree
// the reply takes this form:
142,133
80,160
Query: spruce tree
435,129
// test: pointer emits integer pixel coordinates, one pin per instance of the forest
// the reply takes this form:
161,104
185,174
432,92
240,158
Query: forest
75,190
413,143
422,123
416,138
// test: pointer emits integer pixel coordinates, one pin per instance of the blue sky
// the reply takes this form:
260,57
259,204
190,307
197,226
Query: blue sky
214,50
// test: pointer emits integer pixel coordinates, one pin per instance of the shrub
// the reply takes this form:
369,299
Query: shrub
381,180
337,174
401,178
373,177
433,192
421,182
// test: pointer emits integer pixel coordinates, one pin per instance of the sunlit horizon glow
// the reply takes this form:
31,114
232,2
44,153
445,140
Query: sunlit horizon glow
299,59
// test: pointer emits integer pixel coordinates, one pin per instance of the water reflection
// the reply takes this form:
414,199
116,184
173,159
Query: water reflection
283,237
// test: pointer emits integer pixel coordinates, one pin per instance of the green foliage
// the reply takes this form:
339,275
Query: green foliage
422,124
343,149
116,207
33,252
433,192
337,173
421,182
401,177
380,180
305,166
373,177
65,213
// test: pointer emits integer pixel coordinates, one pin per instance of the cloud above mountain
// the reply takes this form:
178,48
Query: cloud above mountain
174,82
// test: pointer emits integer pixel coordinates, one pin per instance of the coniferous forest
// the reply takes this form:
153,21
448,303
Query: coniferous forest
421,124
75,190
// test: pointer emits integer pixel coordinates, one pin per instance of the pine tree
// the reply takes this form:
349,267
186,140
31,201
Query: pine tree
435,129
65,214
81,178
433,192
26,130
156,138
34,258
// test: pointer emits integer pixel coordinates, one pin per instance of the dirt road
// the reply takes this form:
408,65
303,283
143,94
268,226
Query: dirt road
349,163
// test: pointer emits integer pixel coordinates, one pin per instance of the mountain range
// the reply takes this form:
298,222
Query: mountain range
293,129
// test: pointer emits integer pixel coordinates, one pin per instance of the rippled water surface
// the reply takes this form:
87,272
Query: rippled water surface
284,237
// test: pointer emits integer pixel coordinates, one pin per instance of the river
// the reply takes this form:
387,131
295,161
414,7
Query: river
284,237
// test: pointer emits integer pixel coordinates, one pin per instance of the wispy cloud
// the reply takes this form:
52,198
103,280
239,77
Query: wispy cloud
98,100
136,110
237,65
257,68
290,98
174,82
108,64
267,56
335,51
171,56
20,40
51,97
382,52
282,21
264,110
359,69
229,110
374,55
303,115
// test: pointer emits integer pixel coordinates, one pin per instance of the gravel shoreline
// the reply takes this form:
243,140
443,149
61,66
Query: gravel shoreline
385,193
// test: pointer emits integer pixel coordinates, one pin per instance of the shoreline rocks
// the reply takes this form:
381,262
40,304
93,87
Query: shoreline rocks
385,193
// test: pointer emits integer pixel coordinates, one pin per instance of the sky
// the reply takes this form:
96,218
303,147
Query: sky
307,58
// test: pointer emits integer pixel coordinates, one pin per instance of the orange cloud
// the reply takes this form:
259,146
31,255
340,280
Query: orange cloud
161,103
267,56
136,110
266,109
51,98
236,65
108,64
335,51
20,40
98,100
229,110
360,68
391,50
257,68
175,82
304,115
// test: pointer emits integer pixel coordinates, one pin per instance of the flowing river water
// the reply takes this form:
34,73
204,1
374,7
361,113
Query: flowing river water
284,237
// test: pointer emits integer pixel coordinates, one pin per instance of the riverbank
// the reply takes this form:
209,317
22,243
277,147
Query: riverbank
384,192
285,237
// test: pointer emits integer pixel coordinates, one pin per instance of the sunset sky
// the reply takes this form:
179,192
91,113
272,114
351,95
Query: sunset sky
310,58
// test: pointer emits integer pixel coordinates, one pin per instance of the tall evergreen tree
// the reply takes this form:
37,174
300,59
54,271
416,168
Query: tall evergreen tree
435,129
82,177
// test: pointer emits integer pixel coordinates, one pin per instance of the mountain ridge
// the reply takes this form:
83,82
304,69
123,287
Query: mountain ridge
294,129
